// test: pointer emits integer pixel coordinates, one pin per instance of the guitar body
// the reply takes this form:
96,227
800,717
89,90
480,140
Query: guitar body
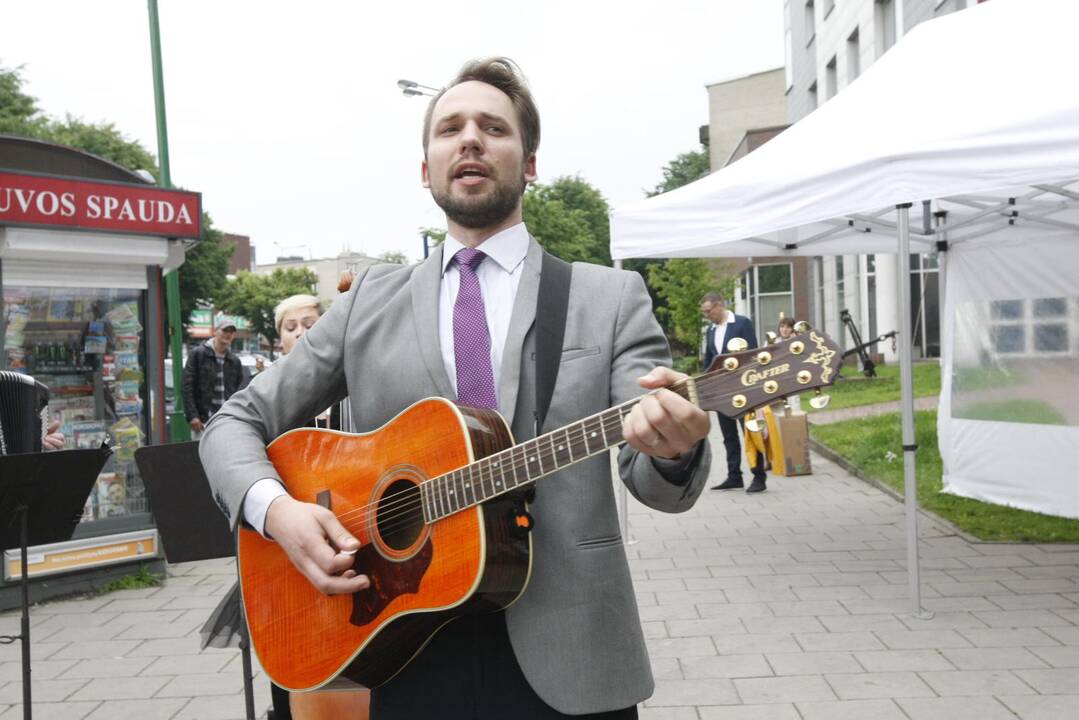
422,575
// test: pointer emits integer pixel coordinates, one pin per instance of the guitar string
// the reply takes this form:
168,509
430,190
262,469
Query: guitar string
516,463
402,518
403,507
407,504
409,501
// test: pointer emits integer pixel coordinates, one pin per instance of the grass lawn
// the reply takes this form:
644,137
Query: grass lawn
856,389
866,442
1015,411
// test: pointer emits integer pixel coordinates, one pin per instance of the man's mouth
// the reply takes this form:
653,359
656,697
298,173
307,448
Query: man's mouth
470,173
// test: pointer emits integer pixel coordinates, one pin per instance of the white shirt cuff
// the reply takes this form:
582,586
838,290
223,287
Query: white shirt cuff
257,502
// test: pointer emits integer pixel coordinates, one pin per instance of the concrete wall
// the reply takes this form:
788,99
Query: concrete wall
328,271
743,104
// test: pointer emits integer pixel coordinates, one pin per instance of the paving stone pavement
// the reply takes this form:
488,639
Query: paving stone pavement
788,605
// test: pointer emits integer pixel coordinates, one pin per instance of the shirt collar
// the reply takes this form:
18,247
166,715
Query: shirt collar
726,319
507,248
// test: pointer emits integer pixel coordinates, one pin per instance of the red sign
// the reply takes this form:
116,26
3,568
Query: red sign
63,202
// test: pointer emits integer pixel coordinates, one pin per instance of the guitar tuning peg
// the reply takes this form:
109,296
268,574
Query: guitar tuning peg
802,326
819,401
771,337
737,344
752,423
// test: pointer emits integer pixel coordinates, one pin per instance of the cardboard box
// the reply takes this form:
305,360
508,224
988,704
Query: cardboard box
789,443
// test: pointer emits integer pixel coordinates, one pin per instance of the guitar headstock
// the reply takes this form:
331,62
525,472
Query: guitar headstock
740,382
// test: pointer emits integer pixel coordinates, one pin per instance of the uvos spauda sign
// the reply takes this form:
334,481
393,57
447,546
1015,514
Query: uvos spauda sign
115,207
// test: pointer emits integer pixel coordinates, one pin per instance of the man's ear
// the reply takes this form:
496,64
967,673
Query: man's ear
530,168
425,178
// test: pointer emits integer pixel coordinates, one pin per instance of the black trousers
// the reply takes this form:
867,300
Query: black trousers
732,443
469,672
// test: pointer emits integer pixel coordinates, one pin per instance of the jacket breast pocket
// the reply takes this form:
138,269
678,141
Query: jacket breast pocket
576,353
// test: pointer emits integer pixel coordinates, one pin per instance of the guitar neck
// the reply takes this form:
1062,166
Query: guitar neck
516,467
740,382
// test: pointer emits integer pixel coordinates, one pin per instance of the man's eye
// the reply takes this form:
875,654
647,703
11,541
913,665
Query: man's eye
495,129
449,130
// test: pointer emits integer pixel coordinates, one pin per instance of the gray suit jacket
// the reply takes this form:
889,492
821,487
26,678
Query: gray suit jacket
575,630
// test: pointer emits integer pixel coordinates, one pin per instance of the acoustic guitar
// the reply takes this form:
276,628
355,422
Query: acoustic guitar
436,497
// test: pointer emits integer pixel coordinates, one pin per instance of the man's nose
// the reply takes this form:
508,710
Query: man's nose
471,138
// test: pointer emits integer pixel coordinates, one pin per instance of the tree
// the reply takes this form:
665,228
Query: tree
202,276
568,218
204,269
19,113
395,257
103,140
678,284
684,169
255,296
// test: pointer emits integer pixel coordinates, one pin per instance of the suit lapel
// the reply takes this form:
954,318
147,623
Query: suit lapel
730,332
524,315
426,283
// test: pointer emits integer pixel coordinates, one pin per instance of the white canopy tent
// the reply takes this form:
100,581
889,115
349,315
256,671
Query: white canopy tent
974,119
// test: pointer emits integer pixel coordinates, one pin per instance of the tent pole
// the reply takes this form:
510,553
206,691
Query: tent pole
622,494
906,384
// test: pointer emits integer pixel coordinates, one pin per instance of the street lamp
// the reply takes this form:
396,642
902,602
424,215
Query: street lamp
412,88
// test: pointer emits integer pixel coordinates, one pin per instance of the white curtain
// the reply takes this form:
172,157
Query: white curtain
1009,411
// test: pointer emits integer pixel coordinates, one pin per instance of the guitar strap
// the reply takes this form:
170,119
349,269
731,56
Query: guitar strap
551,306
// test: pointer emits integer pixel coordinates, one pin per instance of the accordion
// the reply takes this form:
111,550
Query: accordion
23,413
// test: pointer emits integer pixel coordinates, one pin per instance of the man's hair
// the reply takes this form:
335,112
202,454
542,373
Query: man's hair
294,302
712,298
501,73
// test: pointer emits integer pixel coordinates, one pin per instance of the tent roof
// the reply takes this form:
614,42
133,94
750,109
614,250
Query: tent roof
978,106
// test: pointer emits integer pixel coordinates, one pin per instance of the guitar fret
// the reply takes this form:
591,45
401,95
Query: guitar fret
584,438
470,487
446,497
455,491
559,453
530,459
439,508
569,444
513,467
538,455
496,478
423,501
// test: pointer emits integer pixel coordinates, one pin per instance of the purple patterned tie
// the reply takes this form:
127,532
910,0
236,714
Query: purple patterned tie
471,340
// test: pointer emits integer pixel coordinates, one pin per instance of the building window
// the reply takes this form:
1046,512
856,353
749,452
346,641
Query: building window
1029,327
830,80
770,294
821,314
788,51
828,6
884,23
813,101
854,57
810,23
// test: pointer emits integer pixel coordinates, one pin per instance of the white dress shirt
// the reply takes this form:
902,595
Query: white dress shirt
499,275
721,332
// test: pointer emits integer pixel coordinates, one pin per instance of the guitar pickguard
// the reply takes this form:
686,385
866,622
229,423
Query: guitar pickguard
389,579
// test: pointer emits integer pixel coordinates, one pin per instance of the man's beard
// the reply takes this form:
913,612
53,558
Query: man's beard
482,211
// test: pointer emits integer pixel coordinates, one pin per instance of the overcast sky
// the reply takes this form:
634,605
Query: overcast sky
287,118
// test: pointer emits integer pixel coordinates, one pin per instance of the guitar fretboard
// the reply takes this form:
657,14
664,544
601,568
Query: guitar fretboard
519,465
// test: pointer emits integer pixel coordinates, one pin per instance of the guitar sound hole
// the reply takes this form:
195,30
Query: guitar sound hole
400,515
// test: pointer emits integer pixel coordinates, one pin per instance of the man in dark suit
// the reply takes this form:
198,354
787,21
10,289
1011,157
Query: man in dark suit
724,327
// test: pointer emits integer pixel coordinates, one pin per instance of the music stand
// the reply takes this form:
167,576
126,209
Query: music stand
189,521
44,495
